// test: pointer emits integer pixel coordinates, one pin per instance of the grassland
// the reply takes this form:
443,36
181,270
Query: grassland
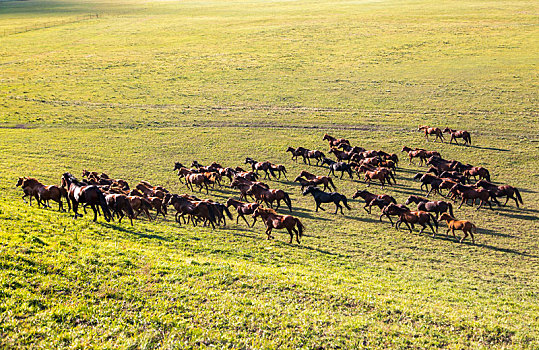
150,83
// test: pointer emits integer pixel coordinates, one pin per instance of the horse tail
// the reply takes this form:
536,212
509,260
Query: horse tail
300,226
487,176
104,206
330,181
212,213
517,193
288,201
228,213
345,202
469,139
450,206
393,200
271,172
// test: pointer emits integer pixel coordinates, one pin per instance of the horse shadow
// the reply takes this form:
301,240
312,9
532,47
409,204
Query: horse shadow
132,231
489,148
499,249
492,233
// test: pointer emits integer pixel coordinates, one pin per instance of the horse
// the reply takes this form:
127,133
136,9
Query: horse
42,193
338,166
500,191
313,154
296,152
80,193
412,153
264,166
437,207
316,180
477,171
432,131
466,226
120,204
199,180
280,169
429,179
467,192
201,209
415,217
243,209
268,196
445,165
140,204
341,155
392,209
334,141
380,175
324,197
273,220
369,197
459,134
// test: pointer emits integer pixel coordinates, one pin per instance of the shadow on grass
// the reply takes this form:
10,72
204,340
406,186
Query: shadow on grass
131,231
489,148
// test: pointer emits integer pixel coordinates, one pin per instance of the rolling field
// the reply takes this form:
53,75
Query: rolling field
148,83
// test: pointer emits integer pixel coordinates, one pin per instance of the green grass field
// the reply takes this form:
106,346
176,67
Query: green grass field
146,84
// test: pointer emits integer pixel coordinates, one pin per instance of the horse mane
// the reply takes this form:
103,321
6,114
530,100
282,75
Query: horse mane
74,180
31,181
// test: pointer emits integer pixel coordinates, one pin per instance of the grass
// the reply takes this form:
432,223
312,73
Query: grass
150,83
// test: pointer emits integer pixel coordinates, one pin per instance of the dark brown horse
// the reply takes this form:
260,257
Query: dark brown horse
459,134
80,193
194,209
416,217
432,131
437,207
243,209
273,220
264,166
501,191
392,209
296,152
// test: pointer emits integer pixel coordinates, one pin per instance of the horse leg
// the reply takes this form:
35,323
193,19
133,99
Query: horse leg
432,228
463,237
95,212
268,232
75,209
246,220
291,235
462,202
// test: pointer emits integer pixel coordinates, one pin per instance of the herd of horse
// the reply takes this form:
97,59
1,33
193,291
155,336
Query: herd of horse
114,198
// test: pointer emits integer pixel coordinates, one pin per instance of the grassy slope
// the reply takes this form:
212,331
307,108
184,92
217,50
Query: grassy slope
383,66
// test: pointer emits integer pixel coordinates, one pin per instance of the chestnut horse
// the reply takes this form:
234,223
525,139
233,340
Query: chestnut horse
459,134
500,191
464,225
412,153
80,193
477,171
468,192
334,141
432,131
273,220
120,204
370,197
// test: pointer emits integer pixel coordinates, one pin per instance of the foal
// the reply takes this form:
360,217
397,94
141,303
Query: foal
464,225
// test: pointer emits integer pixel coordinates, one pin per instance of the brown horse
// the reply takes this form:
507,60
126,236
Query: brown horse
416,217
43,194
194,209
500,191
317,180
280,169
80,193
477,171
383,175
139,205
459,134
273,220
243,209
415,154
467,192
199,180
466,226
341,155
269,196
296,152
392,209
264,166
334,141
369,197
119,203
432,131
